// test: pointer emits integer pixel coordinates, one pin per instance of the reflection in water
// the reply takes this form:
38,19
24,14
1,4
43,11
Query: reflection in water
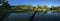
40,16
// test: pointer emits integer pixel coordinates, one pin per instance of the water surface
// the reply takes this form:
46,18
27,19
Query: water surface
40,16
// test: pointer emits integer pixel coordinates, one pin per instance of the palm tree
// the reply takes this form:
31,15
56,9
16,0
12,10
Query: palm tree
4,11
6,5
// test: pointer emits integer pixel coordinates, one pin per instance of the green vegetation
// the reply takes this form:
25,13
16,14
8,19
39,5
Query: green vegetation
29,7
34,8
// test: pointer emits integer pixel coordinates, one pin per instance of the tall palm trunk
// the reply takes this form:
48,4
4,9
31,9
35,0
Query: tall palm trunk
32,17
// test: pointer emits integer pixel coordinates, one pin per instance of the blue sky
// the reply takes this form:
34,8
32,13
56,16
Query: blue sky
35,2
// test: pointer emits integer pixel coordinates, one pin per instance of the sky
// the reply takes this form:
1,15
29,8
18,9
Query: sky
35,2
